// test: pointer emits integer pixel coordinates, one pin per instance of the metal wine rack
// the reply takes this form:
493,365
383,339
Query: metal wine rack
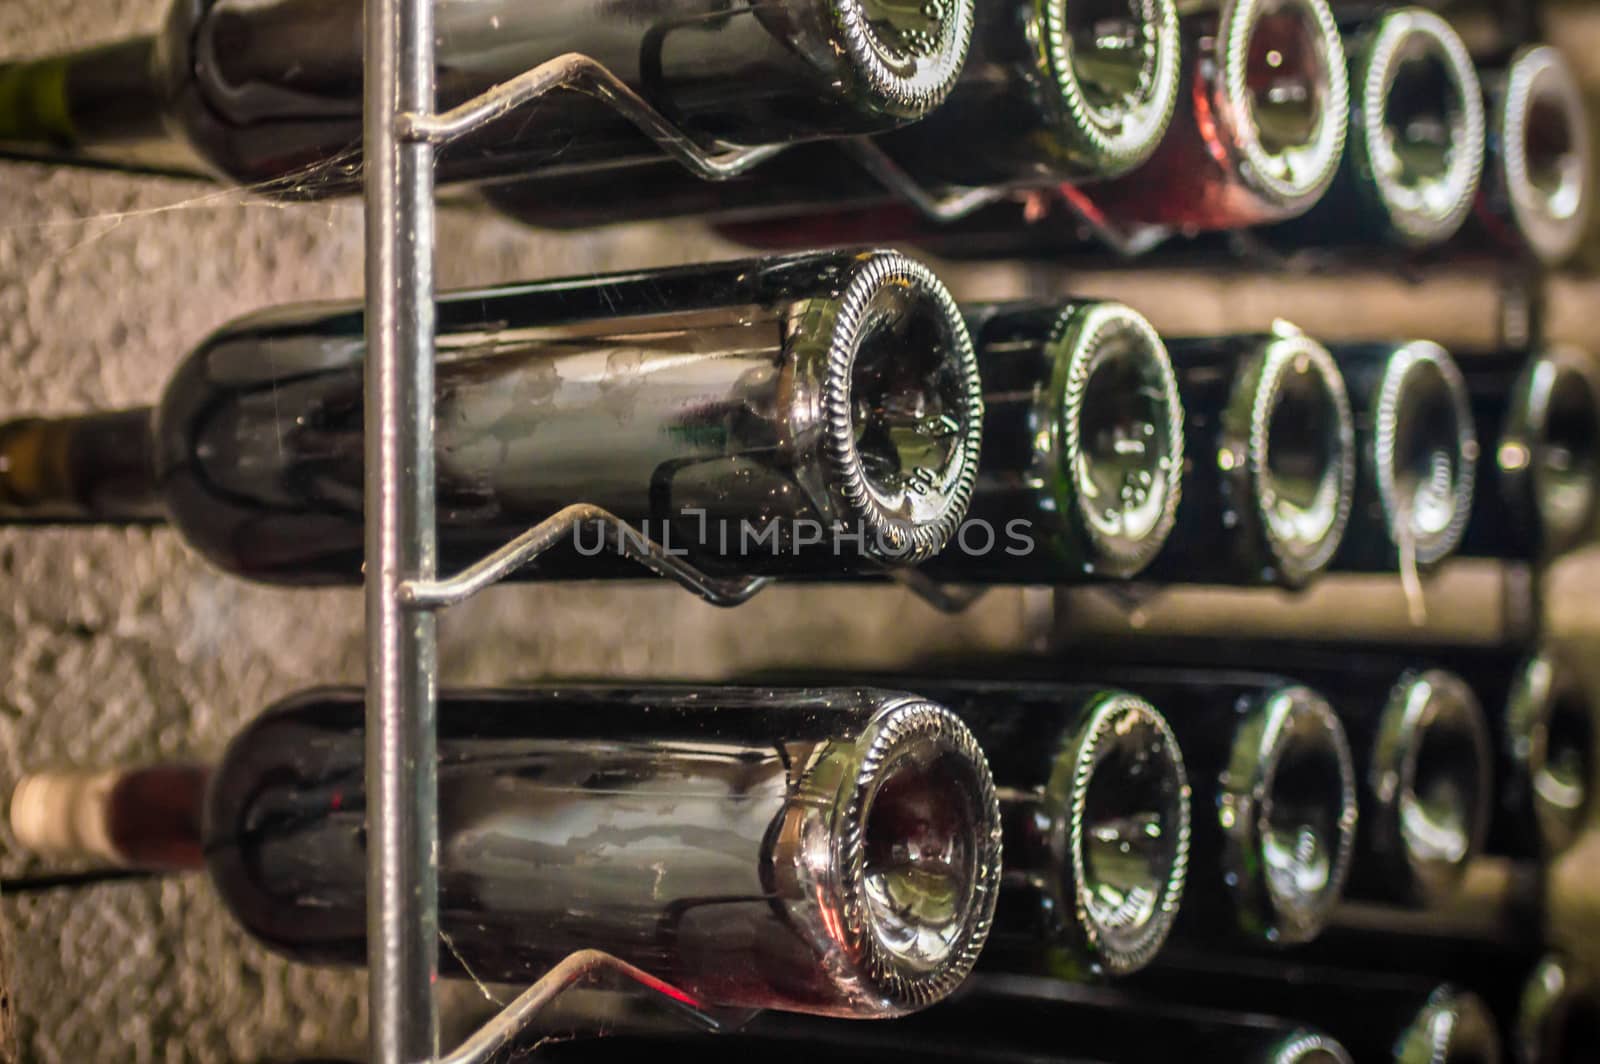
403,590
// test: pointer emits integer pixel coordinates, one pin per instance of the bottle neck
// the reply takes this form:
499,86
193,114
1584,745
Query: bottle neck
90,468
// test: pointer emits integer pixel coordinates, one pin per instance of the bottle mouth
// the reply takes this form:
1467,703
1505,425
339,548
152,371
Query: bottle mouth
906,53
1287,93
1288,811
1422,117
1431,778
1551,730
902,409
1426,451
1452,1027
1302,454
1553,447
1121,796
1308,1047
1114,66
920,857
1120,427
1557,1018
1545,136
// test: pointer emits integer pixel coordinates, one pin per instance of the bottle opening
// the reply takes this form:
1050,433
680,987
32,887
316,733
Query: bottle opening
1129,830
1547,150
906,53
903,408
1307,819
1566,451
1424,123
1426,451
1115,67
1308,1047
1442,799
1305,478
1286,78
927,842
1122,421
921,862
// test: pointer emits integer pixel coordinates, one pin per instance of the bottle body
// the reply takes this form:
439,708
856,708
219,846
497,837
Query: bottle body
712,838
1271,462
1082,448
808,414
271,92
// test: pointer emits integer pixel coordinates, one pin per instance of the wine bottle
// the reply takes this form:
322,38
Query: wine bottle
1002,1019
1544,1002
1376,1017
1261,132
1095,803
1270,461
1536,191
828,851
1538,415
269,91
1052,91
1418,453
816,414
1415,150
1275,801
1539,720
1082,446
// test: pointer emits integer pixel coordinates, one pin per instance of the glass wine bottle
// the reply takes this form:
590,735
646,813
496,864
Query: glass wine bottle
818,414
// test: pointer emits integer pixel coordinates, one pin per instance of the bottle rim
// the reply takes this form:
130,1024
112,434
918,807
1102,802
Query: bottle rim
1261,744
906,73
1117,949
911,522
1556,993
1548,697
1302,539
1295,177
1410,366
1551,219
1557,373
1305,1046
1432,859
1086,339
907,976
1432,209
1453,1025
1113,138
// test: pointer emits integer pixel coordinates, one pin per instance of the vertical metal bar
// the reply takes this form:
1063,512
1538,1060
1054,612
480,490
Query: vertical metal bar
402,868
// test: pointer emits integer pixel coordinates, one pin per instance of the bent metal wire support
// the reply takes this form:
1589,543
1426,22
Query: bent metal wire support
400,134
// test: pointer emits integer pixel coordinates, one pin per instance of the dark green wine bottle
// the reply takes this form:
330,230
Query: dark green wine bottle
269,91
816,414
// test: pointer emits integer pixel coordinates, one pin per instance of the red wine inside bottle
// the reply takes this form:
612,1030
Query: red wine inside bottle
1082,448
1270,462
269,91
826,851
817,414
